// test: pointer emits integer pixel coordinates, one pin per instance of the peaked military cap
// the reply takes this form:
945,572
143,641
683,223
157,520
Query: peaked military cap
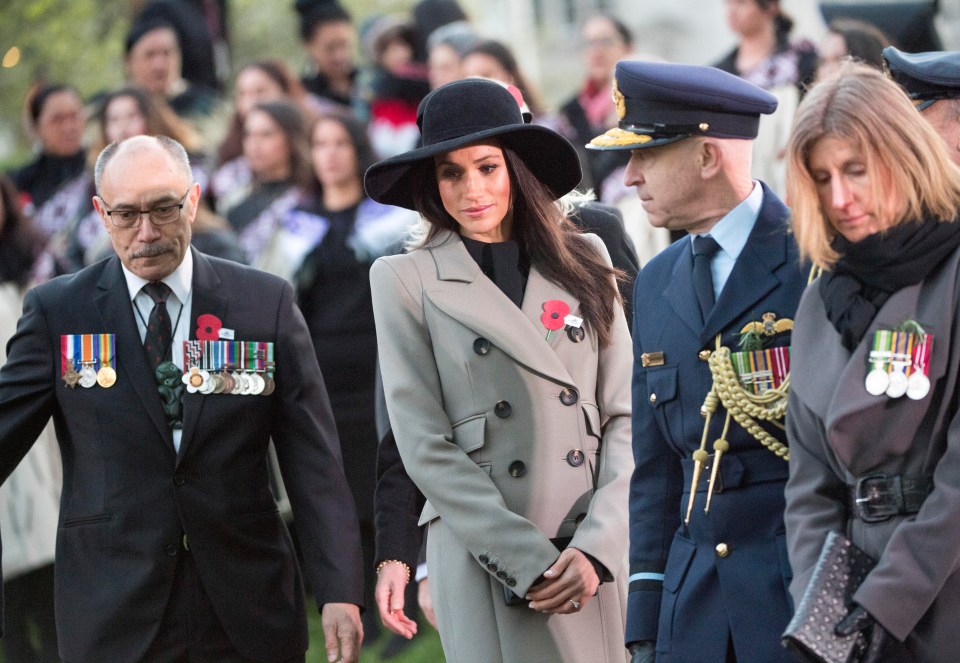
659,103
927,77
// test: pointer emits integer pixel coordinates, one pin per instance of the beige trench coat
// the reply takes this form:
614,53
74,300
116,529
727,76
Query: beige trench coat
490,418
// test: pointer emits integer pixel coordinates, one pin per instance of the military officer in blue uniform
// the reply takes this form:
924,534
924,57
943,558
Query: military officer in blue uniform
706,584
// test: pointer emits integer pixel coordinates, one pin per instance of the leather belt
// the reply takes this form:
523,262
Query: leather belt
879,497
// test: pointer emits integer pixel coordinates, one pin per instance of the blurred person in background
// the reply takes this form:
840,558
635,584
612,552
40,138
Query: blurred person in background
30,497
152,61
53,186
390,89
765,56
126,112
276,149
849,38
329,38
493,59
325,248
604,41
445,50
258,81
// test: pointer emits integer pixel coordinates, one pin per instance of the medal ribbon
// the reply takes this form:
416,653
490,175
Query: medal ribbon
882,351
902,352
69,345
921,354
269,362
107,343
88,351
779,365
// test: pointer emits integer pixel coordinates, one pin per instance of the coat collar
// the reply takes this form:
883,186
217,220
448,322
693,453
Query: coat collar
477,303
753,277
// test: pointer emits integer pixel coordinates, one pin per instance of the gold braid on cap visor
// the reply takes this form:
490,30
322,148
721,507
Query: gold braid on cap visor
618,137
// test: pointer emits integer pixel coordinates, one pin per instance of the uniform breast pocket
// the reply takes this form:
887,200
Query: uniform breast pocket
662,396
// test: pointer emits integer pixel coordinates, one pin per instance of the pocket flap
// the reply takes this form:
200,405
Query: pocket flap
592,414
468,434
661,381
428,514
681,554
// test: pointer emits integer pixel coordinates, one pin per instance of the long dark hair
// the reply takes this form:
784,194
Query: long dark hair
17,245
502,54
551,242
359,138
292,123
782,23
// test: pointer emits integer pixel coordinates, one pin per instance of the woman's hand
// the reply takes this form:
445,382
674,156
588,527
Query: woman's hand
391,581
426,603
567,587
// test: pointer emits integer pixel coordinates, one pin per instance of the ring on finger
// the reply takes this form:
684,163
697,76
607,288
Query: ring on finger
575,604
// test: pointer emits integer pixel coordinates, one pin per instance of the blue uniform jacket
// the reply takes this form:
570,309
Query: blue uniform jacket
688,592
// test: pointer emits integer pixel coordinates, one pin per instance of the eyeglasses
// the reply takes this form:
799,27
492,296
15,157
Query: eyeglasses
159,216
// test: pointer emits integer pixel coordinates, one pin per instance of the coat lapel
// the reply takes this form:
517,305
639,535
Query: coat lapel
754,274
472,299
206,298
116,311
539,291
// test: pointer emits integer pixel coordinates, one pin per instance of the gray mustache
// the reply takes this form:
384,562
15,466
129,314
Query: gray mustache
152,250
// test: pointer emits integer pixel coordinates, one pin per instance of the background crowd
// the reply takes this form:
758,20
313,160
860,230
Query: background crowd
280,156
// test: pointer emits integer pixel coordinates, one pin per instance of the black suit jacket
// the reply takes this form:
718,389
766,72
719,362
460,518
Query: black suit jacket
129,497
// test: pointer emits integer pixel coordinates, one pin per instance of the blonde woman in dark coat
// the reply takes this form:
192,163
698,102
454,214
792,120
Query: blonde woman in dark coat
874,443
506,366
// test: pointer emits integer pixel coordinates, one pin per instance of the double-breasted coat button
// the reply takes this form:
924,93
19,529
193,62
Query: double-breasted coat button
511,582
569,396
575,458
481,346
722,550
172,551
576,334
483,559
517,469
502,409
492,566
502,575
653,399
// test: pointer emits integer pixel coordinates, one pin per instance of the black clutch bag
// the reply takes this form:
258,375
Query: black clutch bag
839,571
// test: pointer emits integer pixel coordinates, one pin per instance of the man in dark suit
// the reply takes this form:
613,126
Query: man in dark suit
170,547
705,585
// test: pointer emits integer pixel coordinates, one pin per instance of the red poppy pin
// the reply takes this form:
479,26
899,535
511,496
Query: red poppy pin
208,327
554,313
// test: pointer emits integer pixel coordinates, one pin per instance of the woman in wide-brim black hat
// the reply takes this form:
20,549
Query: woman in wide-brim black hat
506,366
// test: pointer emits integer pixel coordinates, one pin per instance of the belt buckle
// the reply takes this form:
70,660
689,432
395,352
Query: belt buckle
874,503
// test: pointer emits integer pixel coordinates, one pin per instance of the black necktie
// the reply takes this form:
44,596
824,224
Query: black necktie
159,338
704,248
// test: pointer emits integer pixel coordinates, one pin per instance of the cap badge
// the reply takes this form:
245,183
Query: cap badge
619,101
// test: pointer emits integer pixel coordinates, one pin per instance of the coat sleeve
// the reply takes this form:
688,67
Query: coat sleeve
601,532
814,494
656,487
461,492
397,504
308,451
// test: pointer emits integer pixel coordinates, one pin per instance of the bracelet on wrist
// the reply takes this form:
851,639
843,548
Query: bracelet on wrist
393,561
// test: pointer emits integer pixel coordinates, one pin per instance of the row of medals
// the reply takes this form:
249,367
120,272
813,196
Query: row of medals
240,383
896,383
106,377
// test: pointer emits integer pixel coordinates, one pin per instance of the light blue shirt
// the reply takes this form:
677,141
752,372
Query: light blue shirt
178,308
731,233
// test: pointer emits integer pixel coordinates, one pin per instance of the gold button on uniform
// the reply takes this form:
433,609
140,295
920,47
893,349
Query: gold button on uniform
653,399
722,550
704,355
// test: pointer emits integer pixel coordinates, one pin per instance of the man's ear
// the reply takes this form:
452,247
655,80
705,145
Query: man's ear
102,211
710,159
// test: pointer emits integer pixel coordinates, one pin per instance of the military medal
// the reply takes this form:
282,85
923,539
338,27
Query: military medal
88,376
257,384
899,363
71,378
269,384
918,384
878,378
106,376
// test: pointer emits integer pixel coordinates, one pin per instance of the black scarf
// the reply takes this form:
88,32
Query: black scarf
871,270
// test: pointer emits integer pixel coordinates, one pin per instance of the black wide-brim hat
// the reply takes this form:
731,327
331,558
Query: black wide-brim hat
464,113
